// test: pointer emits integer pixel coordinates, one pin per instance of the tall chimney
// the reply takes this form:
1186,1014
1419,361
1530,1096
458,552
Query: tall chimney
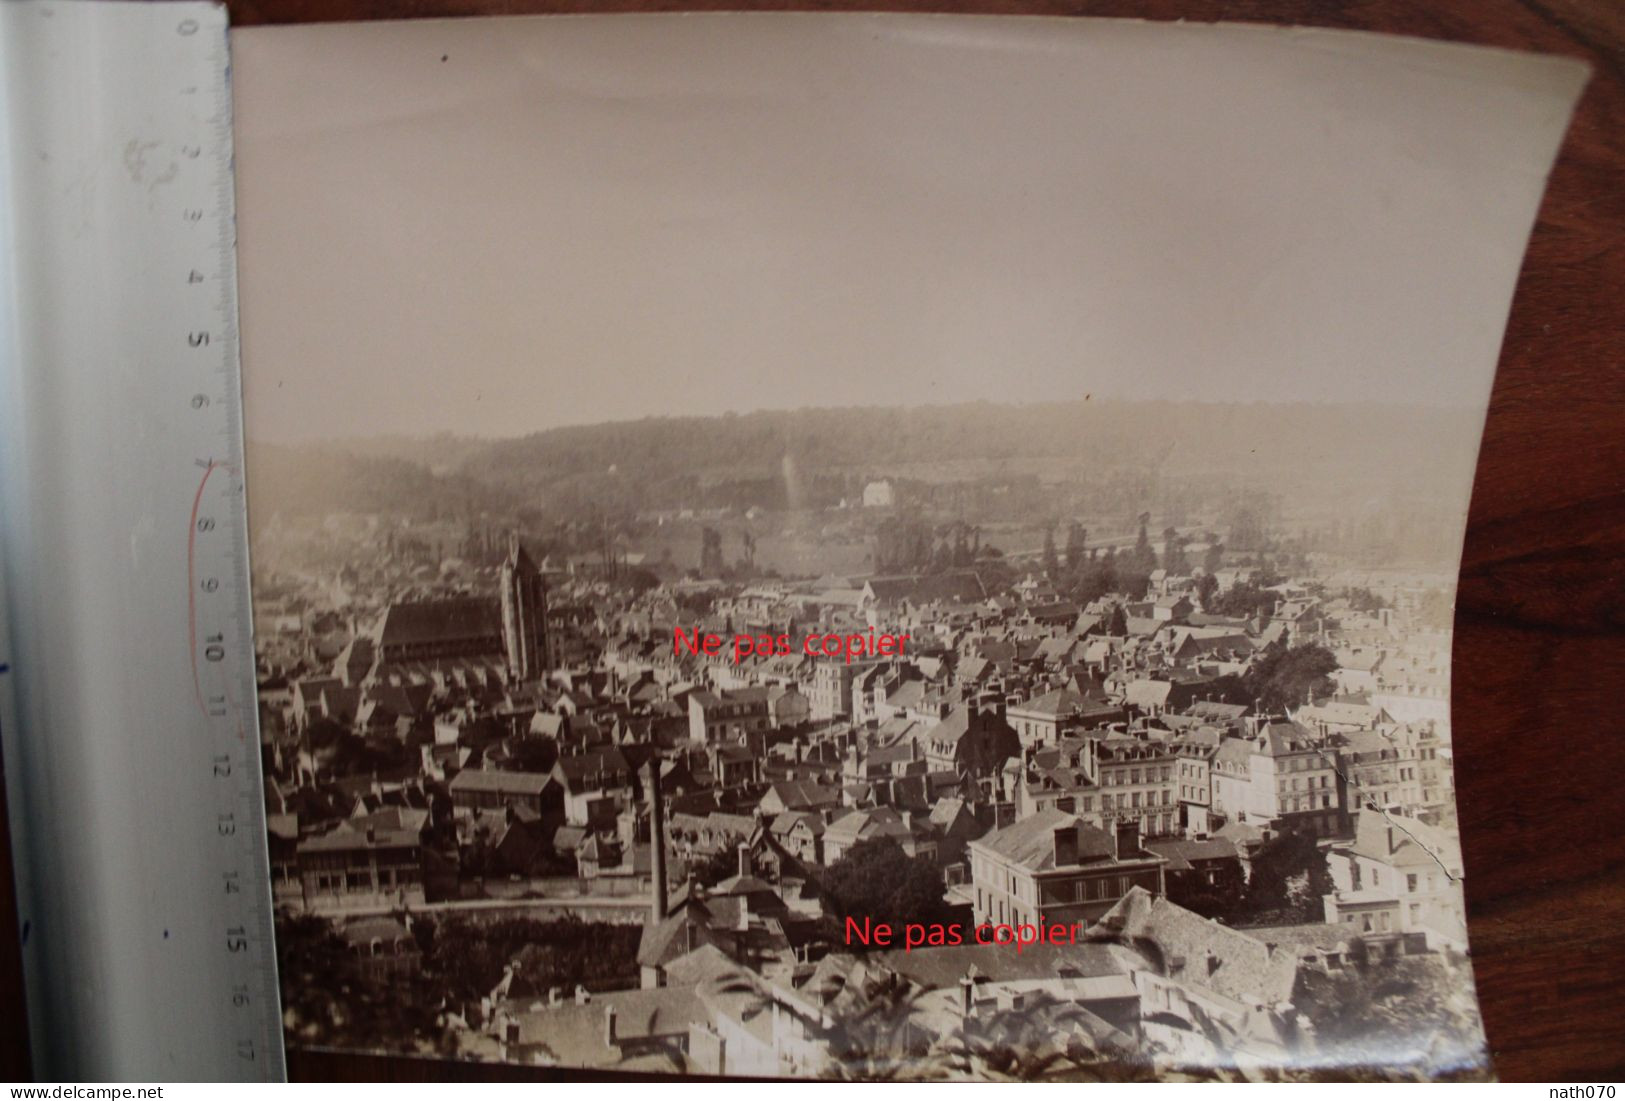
1066,845
1128,839
657,842
744,859
609,1026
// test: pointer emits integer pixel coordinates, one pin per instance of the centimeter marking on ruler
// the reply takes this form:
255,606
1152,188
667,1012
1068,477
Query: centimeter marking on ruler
220,599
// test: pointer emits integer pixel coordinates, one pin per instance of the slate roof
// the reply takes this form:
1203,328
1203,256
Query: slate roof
1367,743
1055,649
1031,841
1235,751
1061,778
890,754
974,668
951,729
284,827
800,794
1403,842
1180,853
1341,712
1060,703
364,931
947,811
1320,935
864,825
936,968
466,619
1213,709
958,587
347,836
1202,952
400,699
576,1033
581,771
1241,834
500,782
786,821
1147,693
907,694
1288,737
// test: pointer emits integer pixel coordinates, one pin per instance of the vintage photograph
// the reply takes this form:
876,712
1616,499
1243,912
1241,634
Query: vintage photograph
872,547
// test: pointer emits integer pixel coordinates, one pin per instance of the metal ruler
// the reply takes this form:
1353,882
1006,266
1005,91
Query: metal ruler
128,704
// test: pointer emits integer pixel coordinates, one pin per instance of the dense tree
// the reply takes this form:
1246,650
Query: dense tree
1117,622
1052,565
1364,600
327,1000
1173,553
1290,676
1048,1039
639,580
469,957
1244,599
876,1039
1077,547
1436,610
995,573
1133,582
708,871
1096,578
339,751
1247,531
878,880
695,603
1417,1012
1288,881
892,1030
534,754
1224,899
1228,688
1142,559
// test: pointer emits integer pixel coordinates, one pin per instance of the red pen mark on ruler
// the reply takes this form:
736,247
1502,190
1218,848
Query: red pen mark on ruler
191,586
191,597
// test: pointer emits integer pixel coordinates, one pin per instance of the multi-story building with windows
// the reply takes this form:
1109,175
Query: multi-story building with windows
730,717
830,692
1193,783
1056,868
1137,785
1399,876
1282,775
1383,769
362,864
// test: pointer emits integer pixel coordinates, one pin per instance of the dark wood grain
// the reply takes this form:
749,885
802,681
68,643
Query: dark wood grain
14,1056
1539,692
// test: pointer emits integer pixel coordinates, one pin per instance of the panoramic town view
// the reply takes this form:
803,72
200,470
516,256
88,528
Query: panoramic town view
1073,740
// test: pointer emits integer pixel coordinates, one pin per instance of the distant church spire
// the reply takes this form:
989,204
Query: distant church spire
524,615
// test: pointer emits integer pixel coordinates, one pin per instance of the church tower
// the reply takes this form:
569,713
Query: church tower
524,615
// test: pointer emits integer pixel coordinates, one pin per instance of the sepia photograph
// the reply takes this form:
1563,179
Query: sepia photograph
872,547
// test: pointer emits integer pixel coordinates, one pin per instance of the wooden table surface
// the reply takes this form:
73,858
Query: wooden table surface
1539,685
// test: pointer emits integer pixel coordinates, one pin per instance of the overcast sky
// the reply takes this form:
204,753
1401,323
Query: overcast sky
495,227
